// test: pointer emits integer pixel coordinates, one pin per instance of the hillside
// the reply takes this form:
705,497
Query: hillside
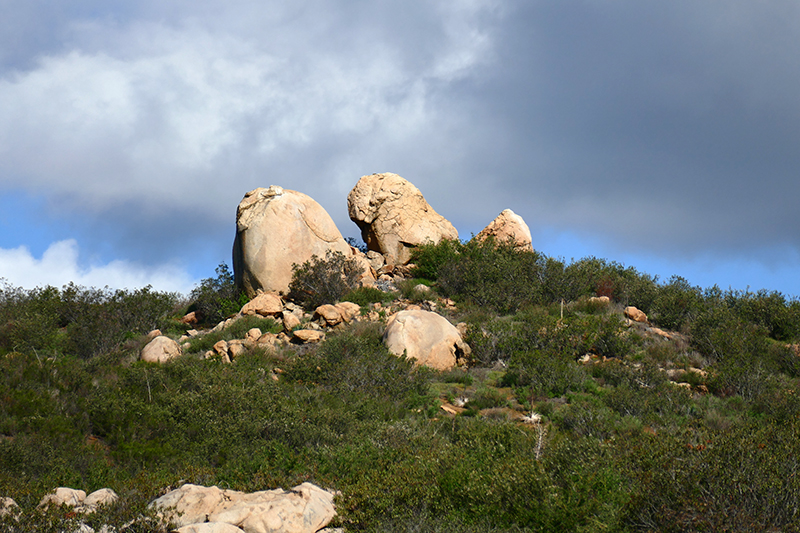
566,416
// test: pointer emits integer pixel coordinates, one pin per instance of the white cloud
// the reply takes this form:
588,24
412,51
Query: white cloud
180,115
60,265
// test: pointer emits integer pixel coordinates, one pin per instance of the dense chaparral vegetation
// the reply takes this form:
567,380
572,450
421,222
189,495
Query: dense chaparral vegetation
619,445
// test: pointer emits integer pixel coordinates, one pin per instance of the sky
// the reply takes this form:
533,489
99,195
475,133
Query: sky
660,135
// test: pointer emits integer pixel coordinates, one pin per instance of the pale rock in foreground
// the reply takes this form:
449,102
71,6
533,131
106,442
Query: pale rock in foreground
427,337
303,509
160,350
508,225
394,217
275,229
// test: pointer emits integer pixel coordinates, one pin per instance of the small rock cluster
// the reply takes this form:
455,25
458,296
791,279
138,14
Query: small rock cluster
65,496
414,329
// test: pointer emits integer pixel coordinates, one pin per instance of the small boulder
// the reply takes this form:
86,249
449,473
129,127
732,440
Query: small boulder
63,496
348,310
394,217
290,321
635,314
252,336
264,304
190,318
97,499
427,337
160,350
8,507
307,336
600,301
508,226
329,314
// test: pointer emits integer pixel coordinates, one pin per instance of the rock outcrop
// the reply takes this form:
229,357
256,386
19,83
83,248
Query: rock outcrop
303,509
508,226
394,217
160,350
427,337
275,229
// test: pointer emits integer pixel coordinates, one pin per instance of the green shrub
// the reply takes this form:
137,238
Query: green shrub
676,304
494,275
430,257
215,299
366,295
324,281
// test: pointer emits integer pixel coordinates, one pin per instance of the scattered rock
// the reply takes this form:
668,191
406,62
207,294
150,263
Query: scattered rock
97,499
63,496
209,527
600,300
236,348
160,350
635,314
305,508
290,321
275,229
394,217
306,336
264,304
376,260
348,311
427,337
422,288
252,336
190,318
329,314
8,507
153,334
508,226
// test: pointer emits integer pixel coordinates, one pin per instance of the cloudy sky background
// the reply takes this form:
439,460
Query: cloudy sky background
664,136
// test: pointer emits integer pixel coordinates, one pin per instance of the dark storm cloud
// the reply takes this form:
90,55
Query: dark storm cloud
651,123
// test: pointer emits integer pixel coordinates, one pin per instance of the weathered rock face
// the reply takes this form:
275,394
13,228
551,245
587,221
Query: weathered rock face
508,225
160,350
427,337
276,228
394,217
304,509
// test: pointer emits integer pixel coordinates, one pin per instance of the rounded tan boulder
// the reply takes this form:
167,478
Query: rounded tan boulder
275,229
508,226
394,217
160,350
427,337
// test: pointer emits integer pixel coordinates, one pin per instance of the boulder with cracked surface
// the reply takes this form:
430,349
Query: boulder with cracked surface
275,229
394,217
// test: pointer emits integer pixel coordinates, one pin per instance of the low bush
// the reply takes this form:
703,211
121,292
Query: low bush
324,280
215,299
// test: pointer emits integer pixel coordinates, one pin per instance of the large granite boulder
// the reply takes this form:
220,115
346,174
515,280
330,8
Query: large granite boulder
394,217
427,337
303,509
508,225
275,229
